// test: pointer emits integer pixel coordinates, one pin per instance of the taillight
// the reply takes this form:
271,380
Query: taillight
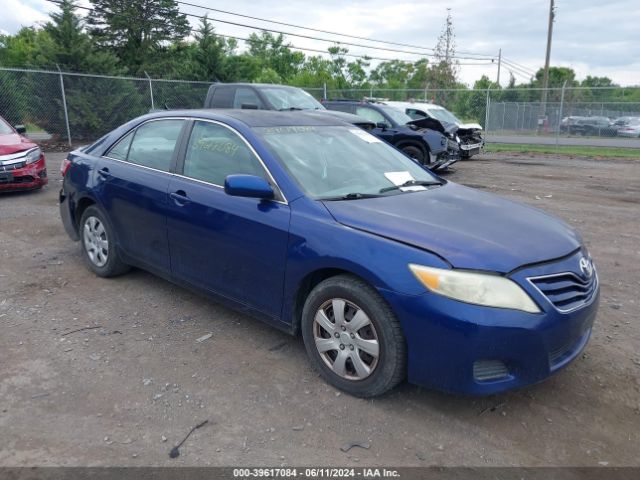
66,163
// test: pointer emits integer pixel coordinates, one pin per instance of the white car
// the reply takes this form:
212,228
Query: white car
469,135
631,128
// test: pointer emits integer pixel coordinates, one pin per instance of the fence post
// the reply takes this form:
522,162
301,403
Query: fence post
324,90
486,113
153,107
425,95
560,114
64,105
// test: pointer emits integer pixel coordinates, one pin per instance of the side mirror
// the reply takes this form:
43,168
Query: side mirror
381,125
249,106
21,129
248,186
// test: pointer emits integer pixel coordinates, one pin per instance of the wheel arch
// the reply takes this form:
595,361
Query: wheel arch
308,283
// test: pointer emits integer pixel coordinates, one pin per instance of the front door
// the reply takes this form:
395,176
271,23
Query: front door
233,246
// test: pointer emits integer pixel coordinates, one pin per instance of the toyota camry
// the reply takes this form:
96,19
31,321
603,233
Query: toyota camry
386,270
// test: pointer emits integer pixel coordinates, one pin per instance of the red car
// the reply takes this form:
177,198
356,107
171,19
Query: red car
22,165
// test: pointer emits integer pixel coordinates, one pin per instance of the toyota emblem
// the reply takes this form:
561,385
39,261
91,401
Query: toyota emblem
586,267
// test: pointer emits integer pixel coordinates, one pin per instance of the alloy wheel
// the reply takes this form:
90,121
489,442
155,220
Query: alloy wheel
346,339
96,243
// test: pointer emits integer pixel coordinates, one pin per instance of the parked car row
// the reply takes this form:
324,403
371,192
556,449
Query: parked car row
601,126
431,139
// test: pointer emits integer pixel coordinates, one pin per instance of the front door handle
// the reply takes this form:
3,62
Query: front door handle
104,173
180,197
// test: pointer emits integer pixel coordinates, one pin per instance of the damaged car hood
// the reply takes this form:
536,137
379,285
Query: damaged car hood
469,228
433,124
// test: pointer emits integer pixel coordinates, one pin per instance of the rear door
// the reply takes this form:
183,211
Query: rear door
233,246
133,182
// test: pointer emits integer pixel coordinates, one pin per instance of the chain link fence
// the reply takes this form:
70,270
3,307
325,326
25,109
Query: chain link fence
80,108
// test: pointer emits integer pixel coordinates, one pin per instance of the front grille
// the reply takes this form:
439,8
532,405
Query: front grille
567,291
22,179
11,167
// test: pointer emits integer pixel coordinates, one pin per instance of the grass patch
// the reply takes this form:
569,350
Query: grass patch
577,150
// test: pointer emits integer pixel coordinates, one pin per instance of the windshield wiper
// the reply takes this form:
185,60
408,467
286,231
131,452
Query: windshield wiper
352,196
289,109
411,183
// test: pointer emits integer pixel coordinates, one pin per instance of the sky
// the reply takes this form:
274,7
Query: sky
593,37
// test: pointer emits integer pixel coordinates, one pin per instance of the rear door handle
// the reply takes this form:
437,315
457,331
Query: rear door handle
104,172
180,197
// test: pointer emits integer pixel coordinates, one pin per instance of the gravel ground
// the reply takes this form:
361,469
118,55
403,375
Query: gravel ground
126,392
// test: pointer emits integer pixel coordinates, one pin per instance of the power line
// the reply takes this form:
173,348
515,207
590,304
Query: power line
519,65
309,37
320,30
244,39
520,70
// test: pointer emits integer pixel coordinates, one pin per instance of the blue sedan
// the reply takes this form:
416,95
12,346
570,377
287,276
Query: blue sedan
320,229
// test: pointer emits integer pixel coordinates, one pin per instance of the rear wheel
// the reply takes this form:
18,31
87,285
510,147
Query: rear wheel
98,244
353,338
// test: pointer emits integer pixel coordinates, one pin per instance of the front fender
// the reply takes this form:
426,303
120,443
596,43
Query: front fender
318,242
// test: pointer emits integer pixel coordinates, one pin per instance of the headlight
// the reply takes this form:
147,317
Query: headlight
33,155
476,288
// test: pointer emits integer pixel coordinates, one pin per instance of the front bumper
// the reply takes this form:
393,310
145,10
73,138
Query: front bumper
452,344
21,176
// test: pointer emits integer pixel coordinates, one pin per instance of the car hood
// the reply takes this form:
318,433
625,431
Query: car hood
13,143
470,126
469,228
434,124
346,117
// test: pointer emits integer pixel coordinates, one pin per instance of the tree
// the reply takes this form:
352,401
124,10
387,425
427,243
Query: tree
71,48
275,56
444,69
209,53
137,30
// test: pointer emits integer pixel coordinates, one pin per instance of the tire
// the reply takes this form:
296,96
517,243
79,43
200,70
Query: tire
98,244
353,368
417,153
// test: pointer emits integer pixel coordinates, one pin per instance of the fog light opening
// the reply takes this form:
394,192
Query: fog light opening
489,370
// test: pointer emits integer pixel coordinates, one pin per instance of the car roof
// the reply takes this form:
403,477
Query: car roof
255,118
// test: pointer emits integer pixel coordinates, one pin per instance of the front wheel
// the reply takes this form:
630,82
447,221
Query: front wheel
417,153
353,338
98,244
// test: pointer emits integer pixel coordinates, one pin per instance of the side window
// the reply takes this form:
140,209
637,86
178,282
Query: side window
246,96
154,142
121,149
372,115
415,114
341,107
222,97
215,151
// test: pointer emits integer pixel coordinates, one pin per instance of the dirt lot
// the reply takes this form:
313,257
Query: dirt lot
112,395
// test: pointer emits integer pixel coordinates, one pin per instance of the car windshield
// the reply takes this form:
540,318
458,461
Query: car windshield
331,163
444,115
291,99
5,128
397,117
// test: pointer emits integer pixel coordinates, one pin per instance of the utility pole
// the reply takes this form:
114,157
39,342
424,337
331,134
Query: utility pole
499,65
545,81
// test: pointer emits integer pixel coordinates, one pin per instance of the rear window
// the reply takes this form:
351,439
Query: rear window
222,97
